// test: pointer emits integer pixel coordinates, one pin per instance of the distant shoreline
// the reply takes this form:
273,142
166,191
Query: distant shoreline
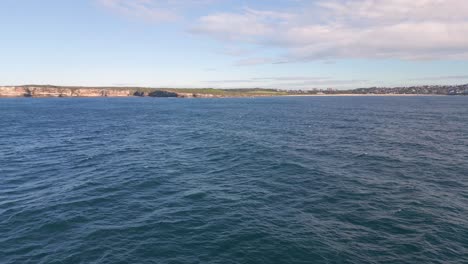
49,91
351,95
249,96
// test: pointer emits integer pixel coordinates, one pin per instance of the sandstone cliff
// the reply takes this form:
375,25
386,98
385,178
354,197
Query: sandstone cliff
57,91
9,91
62,91
40,91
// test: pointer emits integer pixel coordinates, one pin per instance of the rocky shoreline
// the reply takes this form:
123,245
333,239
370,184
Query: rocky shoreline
75,91
57,91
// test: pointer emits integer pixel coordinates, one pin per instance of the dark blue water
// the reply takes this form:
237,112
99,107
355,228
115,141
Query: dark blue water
267,180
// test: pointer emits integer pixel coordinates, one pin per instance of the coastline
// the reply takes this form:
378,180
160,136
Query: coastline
49,91
225,97
208,96
356,95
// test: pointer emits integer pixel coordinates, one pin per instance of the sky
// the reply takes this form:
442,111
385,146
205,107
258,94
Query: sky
281,44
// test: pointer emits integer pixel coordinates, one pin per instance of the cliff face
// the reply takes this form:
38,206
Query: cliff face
57,91
12,91
32,91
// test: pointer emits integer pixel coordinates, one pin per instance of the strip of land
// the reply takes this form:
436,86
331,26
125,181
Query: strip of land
76,91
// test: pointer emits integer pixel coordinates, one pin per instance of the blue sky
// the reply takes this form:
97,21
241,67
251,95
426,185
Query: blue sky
289,44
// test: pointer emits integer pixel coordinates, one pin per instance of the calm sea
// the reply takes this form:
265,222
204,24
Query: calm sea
265,180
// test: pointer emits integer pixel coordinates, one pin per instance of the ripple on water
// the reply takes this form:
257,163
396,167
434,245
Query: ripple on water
266,180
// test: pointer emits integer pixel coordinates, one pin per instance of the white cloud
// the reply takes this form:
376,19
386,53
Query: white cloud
255,61
374,29
230,26
441,78
242,26
152,10
142,9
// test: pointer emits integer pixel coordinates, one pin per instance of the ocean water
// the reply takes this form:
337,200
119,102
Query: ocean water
264,180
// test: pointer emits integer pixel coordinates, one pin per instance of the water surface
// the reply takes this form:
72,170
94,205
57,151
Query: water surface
265,180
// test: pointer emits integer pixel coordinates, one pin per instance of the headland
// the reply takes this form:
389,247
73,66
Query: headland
81,91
